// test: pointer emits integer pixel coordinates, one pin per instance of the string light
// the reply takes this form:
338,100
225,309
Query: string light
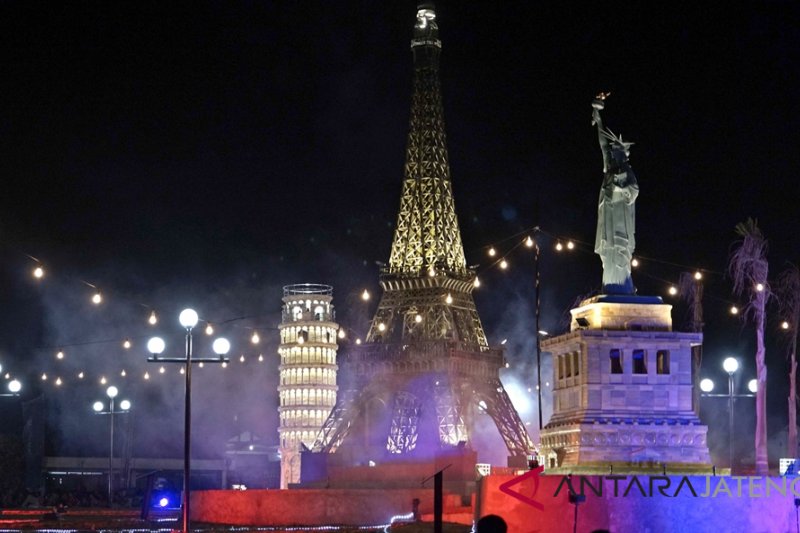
418,318
60,354
153,320
182,371
734,310
44,377
97,298
255,339
58,381
161,370
673,290
381,327
432,272
341,334
559,246
126,344
698,275
448,299
241,358
260,358
365,295
80,375
224,365
38,272
504,264
200,365
759,287
358,341
147,375
123,373
102,380
492,252
784,325
209,329
634,262
570,245
529,242
477,282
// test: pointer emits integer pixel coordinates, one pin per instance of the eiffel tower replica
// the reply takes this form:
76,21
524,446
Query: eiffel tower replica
426,370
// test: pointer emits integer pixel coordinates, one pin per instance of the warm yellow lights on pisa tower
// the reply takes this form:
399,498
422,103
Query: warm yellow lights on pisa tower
307,386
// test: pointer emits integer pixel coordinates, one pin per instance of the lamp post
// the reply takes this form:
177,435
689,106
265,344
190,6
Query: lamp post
730,365
124,407
188,319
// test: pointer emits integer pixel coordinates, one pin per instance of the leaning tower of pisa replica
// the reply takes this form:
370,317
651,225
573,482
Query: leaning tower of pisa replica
307,386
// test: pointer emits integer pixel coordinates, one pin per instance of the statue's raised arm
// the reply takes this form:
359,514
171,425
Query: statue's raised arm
616,219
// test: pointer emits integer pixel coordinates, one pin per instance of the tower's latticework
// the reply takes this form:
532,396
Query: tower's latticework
307,387
425,369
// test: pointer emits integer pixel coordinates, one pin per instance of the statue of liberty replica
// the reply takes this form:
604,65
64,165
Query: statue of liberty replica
616,209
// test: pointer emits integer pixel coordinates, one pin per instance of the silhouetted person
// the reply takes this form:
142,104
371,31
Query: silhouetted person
491,523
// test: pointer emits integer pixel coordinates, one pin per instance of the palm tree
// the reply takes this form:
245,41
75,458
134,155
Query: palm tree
788,292
748,268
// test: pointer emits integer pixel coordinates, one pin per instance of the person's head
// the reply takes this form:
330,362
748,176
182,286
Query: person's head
491,523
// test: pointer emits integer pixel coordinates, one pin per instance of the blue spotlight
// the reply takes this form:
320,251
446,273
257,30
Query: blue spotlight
163,502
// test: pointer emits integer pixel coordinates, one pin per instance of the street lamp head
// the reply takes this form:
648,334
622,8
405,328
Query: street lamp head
112,391
156,345
752,386
706,385
97,406
730,365
221,346
14,386
188,318
125,405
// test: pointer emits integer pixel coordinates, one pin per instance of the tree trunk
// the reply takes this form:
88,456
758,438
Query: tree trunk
762,464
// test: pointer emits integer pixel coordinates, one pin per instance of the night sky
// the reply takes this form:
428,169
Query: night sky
210,156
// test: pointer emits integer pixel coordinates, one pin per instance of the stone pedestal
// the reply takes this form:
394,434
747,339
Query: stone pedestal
623,391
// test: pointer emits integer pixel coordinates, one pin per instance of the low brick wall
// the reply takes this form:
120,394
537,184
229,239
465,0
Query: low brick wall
721,503
306,507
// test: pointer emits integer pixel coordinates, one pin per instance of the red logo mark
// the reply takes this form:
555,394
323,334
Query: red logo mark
533,474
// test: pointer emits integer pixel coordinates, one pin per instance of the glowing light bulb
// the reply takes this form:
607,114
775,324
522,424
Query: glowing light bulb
365,295
60,354
418,319
759,287
97,298
529,242
734,310
123,373
559,247
706,385
38,272
255,339
241,358
358,341
201,365
260,358
752,386
146,375
570,245
698,275
673,290
504,264
529,389
182,371
58,381
161,370
80,375
209,329
153,320
449,299
634,262
224,365
341,334
784,325
381,327
508,365
126,344
492,252
477,282
432,272
102,380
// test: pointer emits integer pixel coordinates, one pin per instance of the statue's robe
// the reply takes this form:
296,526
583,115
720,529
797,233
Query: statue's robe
615,241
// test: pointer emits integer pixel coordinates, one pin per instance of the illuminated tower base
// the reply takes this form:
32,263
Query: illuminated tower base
307,387
623,391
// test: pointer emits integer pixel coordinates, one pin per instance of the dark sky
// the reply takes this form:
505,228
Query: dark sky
209,156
